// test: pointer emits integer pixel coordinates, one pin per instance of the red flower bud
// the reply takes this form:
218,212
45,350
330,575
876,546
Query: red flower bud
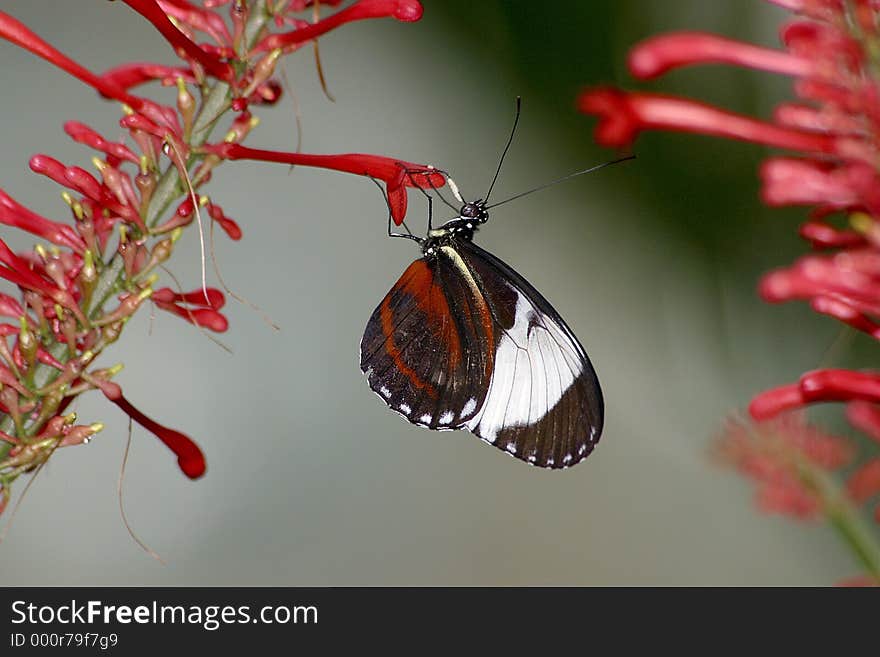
14,214
204,310
133,74
189,457
85,135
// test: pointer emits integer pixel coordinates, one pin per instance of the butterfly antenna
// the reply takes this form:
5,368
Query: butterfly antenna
507,147
563,179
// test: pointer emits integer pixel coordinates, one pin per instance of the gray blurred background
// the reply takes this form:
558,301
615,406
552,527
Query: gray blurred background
311,480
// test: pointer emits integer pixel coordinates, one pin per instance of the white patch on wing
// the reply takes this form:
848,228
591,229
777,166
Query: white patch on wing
405,408
425,419
385,392
533,369
469,407
447,417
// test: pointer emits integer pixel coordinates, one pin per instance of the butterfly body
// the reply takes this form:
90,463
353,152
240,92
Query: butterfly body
462,341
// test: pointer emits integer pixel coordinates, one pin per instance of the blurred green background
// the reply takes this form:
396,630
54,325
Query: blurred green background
311,480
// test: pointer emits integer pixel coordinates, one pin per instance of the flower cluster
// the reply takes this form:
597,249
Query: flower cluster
71,296
832,131
787,458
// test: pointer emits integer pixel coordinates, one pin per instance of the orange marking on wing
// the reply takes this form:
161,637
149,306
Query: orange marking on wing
418,281
486,320
387,316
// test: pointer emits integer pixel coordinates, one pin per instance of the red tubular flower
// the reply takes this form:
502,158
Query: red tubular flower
80,180
817,386
810,119
7,378
19,272
85,135
229,226
788,181
189,456
839,132
14,214
834,130
402,10
9,307
623,116
133,74
199,309
19,34
208,298
823,236
661,54
397,174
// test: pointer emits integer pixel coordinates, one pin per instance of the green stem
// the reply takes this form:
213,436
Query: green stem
856,533
846,519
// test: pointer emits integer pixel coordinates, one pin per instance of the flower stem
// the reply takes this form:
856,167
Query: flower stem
848,522
856,533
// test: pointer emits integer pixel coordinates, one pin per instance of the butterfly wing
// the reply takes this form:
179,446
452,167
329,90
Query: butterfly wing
544,404
428,348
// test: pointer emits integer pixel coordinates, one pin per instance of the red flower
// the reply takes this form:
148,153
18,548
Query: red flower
624,116
74,295
785,457
189,456
396,174
201,307
402,10
833,131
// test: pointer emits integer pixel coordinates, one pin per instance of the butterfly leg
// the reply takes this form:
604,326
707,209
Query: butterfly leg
408,235
430,213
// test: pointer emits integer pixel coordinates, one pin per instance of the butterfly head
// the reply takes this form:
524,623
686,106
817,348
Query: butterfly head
471,215
475,211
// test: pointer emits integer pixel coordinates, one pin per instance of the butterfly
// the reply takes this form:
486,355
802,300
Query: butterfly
462,341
